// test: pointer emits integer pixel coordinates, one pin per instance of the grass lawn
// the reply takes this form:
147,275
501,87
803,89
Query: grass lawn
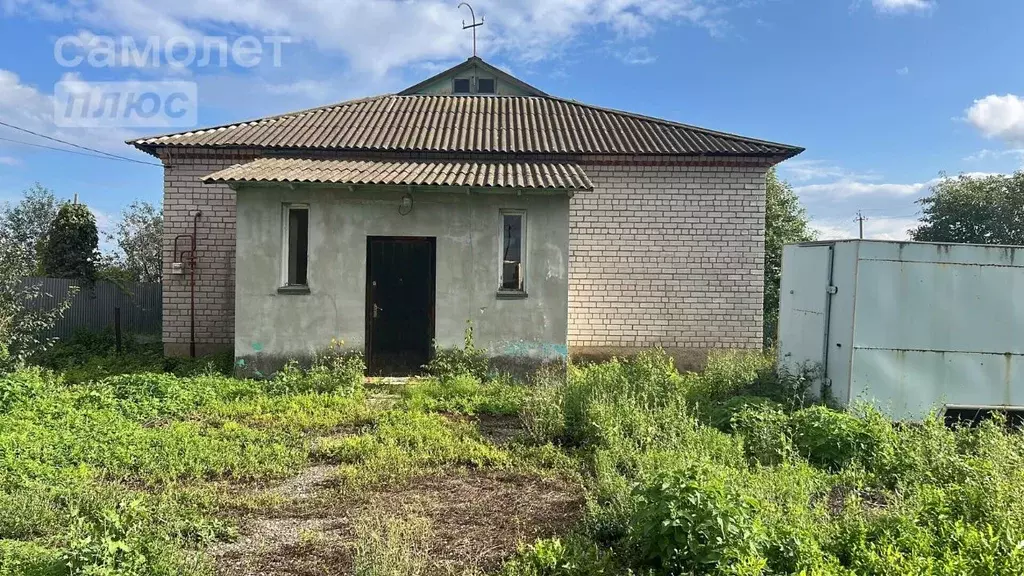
615,468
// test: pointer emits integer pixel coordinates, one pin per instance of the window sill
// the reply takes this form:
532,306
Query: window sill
511,295
293,290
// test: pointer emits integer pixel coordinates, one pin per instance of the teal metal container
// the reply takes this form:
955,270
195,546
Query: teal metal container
911,327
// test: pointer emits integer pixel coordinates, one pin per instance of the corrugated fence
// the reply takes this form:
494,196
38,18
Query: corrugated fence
94,307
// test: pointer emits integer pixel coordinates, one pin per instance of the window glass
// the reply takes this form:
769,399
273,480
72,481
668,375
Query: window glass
485,85
298,245
512,243
460,86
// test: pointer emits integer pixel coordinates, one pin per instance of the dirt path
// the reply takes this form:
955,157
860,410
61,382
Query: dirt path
476,519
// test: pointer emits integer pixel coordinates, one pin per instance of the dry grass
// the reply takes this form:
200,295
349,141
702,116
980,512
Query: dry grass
475,521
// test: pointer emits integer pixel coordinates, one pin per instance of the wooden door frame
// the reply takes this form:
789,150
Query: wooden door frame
431,323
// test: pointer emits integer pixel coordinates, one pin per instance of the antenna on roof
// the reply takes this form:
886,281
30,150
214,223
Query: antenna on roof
473,25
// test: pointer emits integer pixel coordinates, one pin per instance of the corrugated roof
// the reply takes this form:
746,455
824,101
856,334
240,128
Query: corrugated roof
554,175
470,124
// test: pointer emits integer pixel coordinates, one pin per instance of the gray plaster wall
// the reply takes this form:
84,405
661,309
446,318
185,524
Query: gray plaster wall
466,226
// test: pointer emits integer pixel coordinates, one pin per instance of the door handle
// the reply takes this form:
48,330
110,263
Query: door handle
376,310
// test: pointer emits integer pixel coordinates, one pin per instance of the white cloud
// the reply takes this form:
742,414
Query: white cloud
28,107
808,170
846,188
903,71
9,161
104,222
986,154
999,117
900,6
637,55
875,228
382,35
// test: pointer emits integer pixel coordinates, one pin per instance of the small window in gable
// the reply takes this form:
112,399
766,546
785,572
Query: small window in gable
513,251
485,85
460,86
296,248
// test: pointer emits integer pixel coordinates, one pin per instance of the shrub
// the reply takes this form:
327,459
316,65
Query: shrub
765,432
334,372
24,313
721,415
829,438
468,360
555,557
689,522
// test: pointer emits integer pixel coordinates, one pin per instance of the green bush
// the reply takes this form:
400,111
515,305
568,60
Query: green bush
688,522
334,372
829,438
765,430
555,557
468,360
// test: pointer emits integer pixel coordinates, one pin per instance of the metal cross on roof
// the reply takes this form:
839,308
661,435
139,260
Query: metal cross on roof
474,25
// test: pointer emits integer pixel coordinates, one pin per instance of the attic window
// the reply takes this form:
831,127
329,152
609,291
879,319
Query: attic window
485,85
460,86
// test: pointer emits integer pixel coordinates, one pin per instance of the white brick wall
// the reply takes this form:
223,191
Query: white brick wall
184,193
667,255
661,253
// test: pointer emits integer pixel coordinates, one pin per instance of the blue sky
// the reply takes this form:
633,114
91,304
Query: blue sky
884,94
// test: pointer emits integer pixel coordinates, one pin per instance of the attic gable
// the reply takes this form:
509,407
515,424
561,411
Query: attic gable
474,77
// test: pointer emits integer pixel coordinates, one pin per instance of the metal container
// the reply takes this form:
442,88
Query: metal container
912,327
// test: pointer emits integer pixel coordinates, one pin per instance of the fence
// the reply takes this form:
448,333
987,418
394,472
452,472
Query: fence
95,306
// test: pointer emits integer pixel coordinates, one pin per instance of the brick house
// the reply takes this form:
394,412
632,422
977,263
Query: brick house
390,222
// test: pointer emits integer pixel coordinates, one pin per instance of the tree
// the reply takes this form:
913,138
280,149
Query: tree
785,222
24,225
139,237
972,210
25,312
72,244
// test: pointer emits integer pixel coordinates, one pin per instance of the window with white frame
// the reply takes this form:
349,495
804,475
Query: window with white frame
295,264
513,251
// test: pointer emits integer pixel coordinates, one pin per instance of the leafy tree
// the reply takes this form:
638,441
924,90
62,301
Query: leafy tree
26,223
986,210
72,244
785,222
139,236
25,311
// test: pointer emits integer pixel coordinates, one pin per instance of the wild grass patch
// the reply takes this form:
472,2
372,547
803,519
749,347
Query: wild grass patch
622,467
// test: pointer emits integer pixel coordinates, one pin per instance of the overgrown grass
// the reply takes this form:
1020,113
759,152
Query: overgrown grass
730,471
785,489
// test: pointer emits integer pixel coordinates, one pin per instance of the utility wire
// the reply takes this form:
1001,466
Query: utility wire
106,155
23,143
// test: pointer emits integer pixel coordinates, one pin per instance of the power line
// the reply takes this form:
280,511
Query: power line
107,155
23,143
